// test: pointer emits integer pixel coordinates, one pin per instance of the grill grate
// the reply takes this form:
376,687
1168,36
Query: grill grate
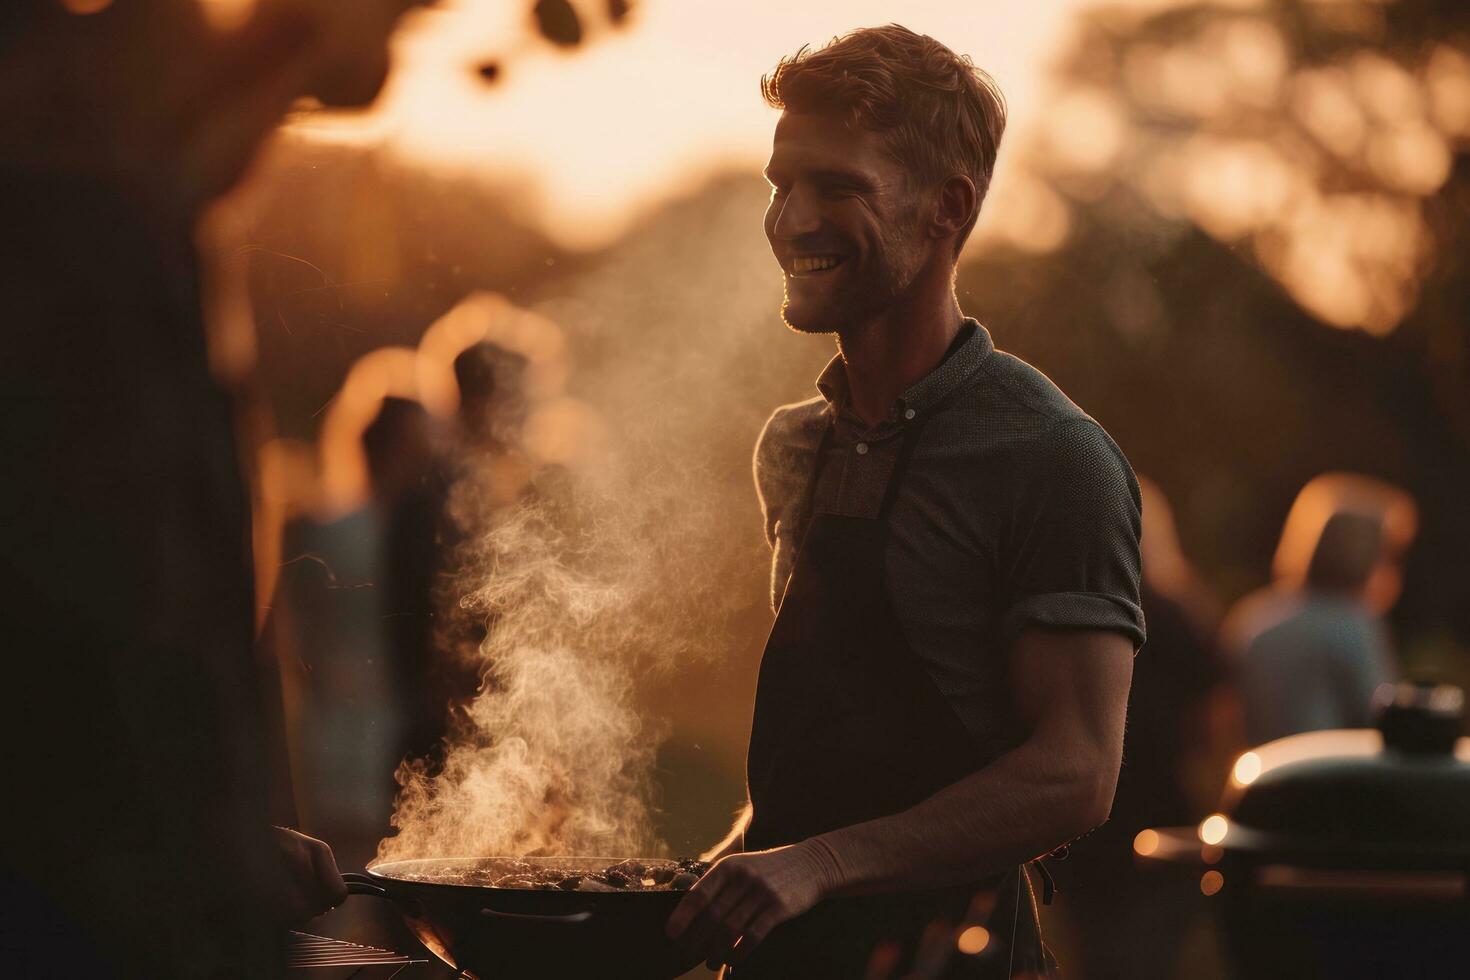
307,952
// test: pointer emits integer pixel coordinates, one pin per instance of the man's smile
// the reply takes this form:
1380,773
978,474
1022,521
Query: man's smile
804,266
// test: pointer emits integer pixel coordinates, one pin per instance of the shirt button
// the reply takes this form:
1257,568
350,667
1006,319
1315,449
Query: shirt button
862,449
909,413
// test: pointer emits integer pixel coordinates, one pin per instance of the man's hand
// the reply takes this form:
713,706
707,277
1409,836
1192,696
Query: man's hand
313,883
728,913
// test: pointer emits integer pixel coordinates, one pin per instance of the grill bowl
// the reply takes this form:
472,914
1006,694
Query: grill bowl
1345,853
488,932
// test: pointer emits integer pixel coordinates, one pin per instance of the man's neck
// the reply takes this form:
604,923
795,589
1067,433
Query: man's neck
889,354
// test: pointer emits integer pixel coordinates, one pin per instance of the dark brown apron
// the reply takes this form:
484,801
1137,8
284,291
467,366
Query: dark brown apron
849,726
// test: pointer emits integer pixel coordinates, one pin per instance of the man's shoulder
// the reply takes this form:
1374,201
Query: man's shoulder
784,455
1021,397
791,430
1023,414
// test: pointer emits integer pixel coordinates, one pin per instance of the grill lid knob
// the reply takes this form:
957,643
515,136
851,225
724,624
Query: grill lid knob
1419,719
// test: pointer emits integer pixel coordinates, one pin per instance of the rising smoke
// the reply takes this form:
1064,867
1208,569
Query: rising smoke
627,543
551,755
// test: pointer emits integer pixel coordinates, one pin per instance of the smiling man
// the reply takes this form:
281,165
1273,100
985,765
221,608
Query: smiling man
942,696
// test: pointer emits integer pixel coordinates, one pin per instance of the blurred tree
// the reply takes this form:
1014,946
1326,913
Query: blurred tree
558,22
1248,222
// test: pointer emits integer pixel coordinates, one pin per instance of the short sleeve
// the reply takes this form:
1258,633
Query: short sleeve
1071,551
782,465
770,468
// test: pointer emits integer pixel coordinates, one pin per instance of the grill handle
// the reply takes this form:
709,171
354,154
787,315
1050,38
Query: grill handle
361,884
575,918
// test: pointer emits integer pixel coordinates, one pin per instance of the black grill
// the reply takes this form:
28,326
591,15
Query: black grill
308,952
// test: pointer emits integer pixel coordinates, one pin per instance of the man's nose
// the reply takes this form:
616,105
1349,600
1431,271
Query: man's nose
798,216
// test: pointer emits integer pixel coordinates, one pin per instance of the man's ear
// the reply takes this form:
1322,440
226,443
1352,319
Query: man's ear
954,206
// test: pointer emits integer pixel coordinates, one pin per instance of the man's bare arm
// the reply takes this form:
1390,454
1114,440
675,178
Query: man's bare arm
1072,690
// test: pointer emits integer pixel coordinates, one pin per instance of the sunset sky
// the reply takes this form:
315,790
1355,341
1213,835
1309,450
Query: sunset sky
641,113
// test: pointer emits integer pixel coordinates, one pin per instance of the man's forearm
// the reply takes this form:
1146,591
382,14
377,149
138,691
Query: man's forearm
734,841
1021,806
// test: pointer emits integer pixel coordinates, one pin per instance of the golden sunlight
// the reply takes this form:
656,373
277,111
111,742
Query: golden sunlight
642,115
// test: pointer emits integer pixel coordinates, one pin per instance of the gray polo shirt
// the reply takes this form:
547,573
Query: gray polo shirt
1017,510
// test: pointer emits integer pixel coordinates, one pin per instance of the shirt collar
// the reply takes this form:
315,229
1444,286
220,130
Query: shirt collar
956,368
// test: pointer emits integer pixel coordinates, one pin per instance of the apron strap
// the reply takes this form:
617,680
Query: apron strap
910,439
900,466
890,492
816,474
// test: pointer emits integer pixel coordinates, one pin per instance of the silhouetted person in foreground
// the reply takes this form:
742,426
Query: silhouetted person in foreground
1311,651
136,838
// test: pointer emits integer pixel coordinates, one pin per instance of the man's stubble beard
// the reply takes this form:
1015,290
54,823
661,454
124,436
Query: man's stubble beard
898,264
803,326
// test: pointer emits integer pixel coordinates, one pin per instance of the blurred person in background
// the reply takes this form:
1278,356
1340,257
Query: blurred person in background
1310,650
482,467
1167,570
1129,925
138,842
955,557
492,403
406,451
351,614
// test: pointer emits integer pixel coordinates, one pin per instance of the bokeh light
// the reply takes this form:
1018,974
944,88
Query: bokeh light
1212,829
973,940
1247,768
228,14
1319,158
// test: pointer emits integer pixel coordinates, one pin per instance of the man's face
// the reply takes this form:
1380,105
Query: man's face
842,222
